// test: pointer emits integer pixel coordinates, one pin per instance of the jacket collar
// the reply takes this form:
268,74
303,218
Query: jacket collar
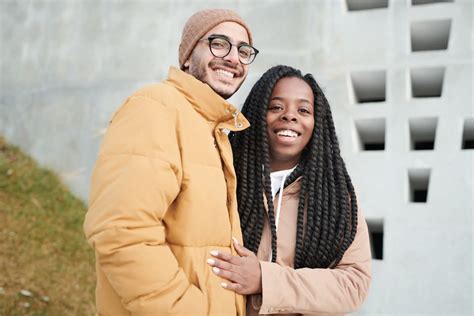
289,191
294,187
205,101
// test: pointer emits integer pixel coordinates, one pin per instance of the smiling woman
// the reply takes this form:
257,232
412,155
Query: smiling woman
290,122
306,242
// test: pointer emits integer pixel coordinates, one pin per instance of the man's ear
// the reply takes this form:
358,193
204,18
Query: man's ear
185,65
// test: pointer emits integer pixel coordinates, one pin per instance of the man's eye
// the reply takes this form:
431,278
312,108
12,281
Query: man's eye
244,52
219,44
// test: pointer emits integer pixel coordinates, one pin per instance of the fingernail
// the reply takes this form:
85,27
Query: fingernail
215,253
211,261
235,240
224,285
216,270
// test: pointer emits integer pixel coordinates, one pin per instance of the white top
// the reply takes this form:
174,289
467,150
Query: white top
277,180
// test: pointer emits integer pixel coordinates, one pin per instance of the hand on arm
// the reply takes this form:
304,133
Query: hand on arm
242,272
340,290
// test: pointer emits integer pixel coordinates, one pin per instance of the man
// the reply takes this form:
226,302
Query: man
163,188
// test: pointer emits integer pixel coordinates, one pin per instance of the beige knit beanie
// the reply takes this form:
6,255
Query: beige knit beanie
199,24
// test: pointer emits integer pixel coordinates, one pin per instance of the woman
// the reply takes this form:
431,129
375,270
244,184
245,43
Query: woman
297,206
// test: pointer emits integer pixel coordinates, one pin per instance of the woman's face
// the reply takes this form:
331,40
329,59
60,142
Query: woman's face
290,122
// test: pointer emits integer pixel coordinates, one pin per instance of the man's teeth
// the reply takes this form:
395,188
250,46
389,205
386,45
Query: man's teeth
225,73
287,133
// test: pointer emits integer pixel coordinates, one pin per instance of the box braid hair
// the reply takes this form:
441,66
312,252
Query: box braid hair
326,192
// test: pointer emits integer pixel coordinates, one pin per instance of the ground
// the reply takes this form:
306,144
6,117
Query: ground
47,267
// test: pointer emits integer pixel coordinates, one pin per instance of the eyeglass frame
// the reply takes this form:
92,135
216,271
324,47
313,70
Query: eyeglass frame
212,37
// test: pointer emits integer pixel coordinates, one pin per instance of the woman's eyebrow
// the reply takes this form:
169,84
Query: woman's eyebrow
300,100
305,101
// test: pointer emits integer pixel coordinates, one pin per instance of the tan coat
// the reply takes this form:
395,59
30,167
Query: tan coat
309,291
162,197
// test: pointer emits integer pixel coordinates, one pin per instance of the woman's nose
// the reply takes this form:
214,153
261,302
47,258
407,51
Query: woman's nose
288,116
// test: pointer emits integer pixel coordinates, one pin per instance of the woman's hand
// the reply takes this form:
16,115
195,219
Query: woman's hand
243,273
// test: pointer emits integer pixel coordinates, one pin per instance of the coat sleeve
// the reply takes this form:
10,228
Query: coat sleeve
136,178
307,291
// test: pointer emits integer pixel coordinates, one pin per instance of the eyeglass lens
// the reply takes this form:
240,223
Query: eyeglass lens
221,47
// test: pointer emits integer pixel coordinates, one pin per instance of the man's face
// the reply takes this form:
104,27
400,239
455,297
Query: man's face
224,75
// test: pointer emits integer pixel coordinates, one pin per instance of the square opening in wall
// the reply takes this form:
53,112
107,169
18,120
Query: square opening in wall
358,5
370,134
427,82
376,237
419,2
418,184
430,35
468,134
423,133
369,86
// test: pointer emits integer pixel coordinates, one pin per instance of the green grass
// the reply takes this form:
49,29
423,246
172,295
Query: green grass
42,245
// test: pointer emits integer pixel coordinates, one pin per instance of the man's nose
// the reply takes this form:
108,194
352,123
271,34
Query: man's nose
233,55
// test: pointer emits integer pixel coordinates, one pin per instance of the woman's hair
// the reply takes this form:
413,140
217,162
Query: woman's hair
326,190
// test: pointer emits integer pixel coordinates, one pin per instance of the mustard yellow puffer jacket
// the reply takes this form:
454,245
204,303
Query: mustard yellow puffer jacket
162,197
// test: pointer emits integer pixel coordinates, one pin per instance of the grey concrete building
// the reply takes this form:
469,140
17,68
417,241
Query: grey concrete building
398,74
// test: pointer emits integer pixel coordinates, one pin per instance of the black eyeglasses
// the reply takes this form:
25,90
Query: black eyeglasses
221,47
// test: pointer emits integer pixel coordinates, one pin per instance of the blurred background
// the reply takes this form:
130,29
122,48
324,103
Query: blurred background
397,73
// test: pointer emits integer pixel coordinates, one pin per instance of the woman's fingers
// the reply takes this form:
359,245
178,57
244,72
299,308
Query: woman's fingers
220,264
236,287
242,278
229,275
226,256
241,250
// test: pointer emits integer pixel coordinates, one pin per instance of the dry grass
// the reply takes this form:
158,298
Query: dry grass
42,246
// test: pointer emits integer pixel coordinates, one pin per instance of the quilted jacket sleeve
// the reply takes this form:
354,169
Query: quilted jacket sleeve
136,178
308,291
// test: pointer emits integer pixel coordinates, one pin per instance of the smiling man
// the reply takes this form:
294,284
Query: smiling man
163,188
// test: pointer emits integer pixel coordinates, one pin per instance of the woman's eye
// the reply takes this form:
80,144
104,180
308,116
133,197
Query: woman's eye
275,107
305,111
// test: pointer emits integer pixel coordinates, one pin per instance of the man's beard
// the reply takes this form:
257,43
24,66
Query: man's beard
200,73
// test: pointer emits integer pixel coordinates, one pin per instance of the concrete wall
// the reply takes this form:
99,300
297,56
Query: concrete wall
67,65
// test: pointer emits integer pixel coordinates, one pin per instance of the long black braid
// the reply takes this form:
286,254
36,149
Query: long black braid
326,192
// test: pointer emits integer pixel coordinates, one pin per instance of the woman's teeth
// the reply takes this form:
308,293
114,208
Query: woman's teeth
287,133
